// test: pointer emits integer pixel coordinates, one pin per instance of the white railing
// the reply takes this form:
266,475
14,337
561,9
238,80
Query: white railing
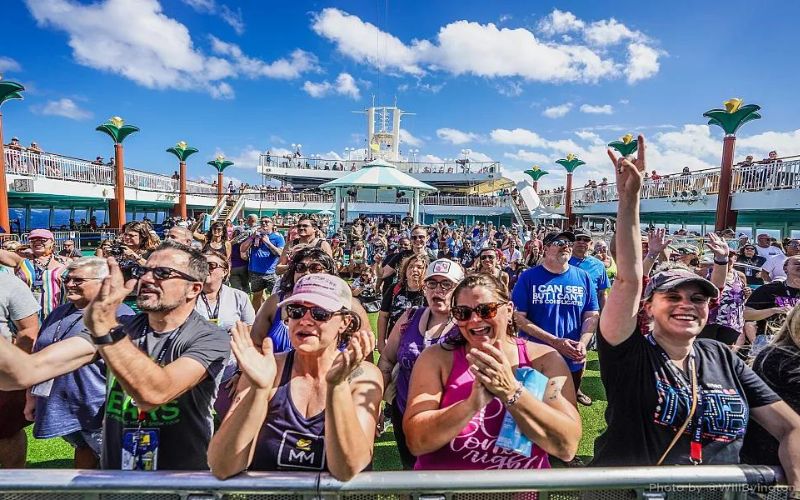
150,182
200,189
755,177
292,165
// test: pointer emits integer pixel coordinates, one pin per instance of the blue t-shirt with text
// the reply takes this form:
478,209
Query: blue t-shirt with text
556,302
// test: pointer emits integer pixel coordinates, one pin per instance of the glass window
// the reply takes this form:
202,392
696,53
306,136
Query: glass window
40,218
773,233
748,231
81,214
794,233
61,218
101,215
17,216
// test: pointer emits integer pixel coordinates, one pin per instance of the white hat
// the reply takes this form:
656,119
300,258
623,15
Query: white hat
447,269
324,290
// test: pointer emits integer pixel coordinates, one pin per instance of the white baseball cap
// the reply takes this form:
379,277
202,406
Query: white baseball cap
447,269
324,290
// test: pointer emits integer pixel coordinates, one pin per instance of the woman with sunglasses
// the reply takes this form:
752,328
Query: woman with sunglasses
462,388
269,323
216,239
673,398
313,408
489,263
417,329
406,293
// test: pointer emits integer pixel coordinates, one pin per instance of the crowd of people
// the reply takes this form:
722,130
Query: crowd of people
249,347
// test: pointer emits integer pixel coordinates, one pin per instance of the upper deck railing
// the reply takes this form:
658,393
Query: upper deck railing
780,174
281,165
273,196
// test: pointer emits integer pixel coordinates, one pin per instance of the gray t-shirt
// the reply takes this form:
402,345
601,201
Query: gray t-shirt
184,425
232,305
16,303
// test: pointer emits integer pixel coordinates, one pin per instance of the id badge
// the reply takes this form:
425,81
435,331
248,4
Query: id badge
140,449
214,321
42,389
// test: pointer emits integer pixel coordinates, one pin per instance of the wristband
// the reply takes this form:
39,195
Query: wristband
113,336
651,256
721,262
515,397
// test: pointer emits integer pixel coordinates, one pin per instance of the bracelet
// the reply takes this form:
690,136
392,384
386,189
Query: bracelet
515,397
651,256
721,262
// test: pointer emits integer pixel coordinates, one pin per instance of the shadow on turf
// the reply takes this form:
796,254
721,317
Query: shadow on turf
51,464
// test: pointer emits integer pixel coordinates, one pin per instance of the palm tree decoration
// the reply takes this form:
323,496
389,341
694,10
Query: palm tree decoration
536,173
116,129
729,120
220,163
570,163
626,146
182,151
8,91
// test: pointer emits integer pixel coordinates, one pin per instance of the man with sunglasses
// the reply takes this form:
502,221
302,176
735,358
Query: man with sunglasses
306,236
264,248
592,265
419,238
164,363
556,304
67,379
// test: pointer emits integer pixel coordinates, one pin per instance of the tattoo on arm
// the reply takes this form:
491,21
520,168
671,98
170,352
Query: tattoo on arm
357,372
554,388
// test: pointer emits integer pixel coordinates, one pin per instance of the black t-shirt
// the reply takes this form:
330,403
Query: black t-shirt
185,424
777,366
648,402
396,303
775,294
466,257
394,262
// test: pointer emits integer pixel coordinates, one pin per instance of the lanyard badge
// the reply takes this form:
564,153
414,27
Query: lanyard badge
140,447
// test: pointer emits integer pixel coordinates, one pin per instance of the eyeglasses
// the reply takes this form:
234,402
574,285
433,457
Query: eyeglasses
314,267
584,239
216,265
444,286
78,281
303,225
484,311
161,273
297,311
418,236
561,243
487,257
266,221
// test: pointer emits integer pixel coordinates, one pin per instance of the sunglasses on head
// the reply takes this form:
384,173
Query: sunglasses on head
161,273
314,267
484,311
297,311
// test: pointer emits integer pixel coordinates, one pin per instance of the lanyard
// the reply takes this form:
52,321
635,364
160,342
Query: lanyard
39,270
215,314
58,337
695,415
167,343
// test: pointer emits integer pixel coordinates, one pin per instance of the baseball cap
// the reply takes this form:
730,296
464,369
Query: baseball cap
445,268
688,250
674,278
582,232
41,233
555,235
324,290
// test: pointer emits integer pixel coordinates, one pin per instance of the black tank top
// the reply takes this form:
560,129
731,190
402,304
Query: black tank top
288,440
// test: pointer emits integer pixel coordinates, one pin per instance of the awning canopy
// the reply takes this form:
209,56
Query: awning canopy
378,174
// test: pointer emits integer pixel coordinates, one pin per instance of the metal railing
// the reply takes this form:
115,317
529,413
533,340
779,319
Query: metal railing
283,165
679,482
755,177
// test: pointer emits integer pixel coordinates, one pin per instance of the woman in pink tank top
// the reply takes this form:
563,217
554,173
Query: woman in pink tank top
461,390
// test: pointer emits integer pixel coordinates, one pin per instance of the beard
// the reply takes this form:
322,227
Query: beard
158,302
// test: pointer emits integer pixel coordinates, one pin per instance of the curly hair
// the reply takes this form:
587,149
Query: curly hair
314,253
148,242
210,233
488,282
402,280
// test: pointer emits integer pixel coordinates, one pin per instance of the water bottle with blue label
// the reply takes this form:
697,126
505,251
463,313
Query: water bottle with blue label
511,436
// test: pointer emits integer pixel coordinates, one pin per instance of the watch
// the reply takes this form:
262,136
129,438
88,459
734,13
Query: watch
113,336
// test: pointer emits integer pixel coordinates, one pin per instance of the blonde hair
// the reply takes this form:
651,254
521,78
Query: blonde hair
787,340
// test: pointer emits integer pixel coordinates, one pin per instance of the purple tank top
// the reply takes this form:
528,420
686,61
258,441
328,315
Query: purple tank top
412,343
474,447
288,440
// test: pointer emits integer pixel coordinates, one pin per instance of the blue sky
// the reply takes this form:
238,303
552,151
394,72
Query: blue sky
515,81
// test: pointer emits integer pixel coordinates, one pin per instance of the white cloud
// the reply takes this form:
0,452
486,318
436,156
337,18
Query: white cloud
464,47
455,136
589,136
643,62
345,85
785,143
509,89
695,140
557,111
201,5
477,156
532,157
407,138
558,22
610,32
8,64
63,107
154,50
604,109
431,159
233,18
247,157
518,137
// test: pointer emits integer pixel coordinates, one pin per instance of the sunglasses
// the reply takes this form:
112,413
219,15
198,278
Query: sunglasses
562,243
487,257
297,311
314,267
444,286
484,311
161,273
215,265
418,237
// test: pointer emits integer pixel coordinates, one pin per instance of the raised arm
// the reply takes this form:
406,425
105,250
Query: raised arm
657,245
721,250
618,319
20,370
9,259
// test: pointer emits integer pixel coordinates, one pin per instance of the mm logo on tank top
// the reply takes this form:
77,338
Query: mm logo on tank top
301,451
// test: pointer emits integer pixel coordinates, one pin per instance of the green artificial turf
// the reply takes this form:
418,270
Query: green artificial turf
55,453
